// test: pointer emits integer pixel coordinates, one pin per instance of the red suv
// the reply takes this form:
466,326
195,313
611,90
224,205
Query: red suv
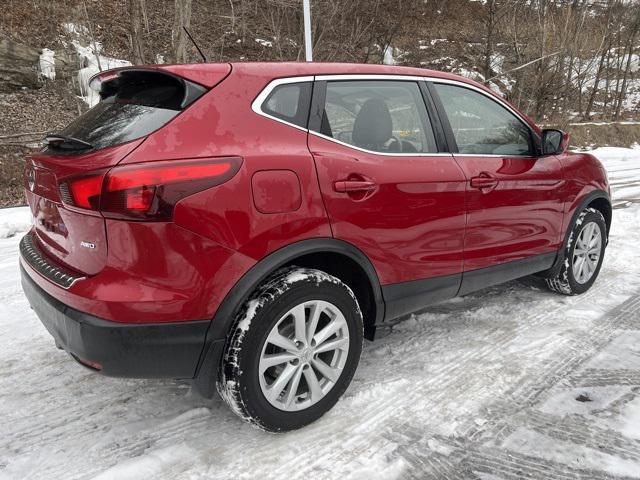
247,225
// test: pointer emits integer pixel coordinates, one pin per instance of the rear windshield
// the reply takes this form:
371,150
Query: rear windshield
131,106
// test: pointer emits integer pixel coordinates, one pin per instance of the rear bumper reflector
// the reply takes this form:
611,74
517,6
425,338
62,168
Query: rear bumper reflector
33,256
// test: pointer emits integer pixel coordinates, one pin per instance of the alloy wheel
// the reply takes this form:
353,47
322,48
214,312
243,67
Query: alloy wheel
586,254
304,355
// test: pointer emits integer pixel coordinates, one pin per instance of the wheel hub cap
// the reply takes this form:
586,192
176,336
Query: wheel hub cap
306,355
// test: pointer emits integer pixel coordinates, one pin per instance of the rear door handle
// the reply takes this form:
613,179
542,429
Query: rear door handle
346,186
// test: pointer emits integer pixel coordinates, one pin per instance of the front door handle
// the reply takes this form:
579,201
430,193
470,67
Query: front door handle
346,186
484,182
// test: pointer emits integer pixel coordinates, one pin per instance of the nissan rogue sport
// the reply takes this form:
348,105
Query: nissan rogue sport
246,225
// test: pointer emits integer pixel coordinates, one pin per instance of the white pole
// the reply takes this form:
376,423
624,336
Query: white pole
307,30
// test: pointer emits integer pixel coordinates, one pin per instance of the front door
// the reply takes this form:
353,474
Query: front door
513,196
388,190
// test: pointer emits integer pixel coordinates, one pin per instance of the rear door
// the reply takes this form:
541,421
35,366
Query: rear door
513,196
388,187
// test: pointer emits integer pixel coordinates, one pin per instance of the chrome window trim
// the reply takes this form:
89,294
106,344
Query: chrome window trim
256,106
364,76
383,154
491,155
414,78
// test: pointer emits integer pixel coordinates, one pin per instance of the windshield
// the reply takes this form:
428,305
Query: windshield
131,106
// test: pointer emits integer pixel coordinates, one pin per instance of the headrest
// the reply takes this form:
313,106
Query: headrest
373,125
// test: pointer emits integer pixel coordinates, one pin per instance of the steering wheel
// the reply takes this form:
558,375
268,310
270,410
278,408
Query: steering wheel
397,140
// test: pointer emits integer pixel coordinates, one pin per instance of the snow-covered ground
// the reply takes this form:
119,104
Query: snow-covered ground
508,383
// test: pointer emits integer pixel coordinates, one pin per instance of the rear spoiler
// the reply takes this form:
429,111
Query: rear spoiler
207,75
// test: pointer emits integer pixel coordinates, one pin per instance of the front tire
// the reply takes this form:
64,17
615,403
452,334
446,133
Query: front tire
293,350
583,254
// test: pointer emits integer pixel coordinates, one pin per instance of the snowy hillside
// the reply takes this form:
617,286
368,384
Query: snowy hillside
511,382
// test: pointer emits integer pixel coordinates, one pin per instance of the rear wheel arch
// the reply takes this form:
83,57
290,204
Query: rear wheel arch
350,272
336,257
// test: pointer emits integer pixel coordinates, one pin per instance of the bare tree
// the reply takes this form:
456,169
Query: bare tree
629,50
606,40
137,17
492,19
179,38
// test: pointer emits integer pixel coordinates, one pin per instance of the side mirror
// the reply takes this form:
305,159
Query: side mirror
554,141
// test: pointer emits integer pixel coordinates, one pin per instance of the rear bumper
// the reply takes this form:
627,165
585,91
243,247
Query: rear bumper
159,350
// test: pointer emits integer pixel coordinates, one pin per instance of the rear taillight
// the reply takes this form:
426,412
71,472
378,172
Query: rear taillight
147,191
83,192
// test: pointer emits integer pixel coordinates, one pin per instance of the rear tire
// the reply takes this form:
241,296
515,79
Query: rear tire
583,254
300,325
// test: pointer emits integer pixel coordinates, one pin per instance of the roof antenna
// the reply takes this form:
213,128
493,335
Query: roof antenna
195,44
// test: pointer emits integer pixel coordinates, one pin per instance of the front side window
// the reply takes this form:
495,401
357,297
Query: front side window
289,102
481,125
378,115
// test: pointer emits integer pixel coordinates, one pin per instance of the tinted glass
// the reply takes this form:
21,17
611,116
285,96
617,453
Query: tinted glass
481,125
382,116
131,106
289,102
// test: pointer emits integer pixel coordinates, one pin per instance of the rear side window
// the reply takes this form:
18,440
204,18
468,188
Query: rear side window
289,102
378,115
481,125
131,106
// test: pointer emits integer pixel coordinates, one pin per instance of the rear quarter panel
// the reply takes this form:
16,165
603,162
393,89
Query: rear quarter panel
222,123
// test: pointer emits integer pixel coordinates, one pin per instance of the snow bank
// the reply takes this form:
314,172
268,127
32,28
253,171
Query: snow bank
48,64
387,57
264,43
75,29
14,220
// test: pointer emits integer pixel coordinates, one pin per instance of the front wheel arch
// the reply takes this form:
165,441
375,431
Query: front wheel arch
598,199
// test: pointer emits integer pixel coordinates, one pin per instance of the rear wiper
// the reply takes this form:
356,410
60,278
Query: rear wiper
56,140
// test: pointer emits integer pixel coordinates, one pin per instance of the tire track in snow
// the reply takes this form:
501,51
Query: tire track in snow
455,373
532,388
575,429
161,435
516,466
599,377
572,429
